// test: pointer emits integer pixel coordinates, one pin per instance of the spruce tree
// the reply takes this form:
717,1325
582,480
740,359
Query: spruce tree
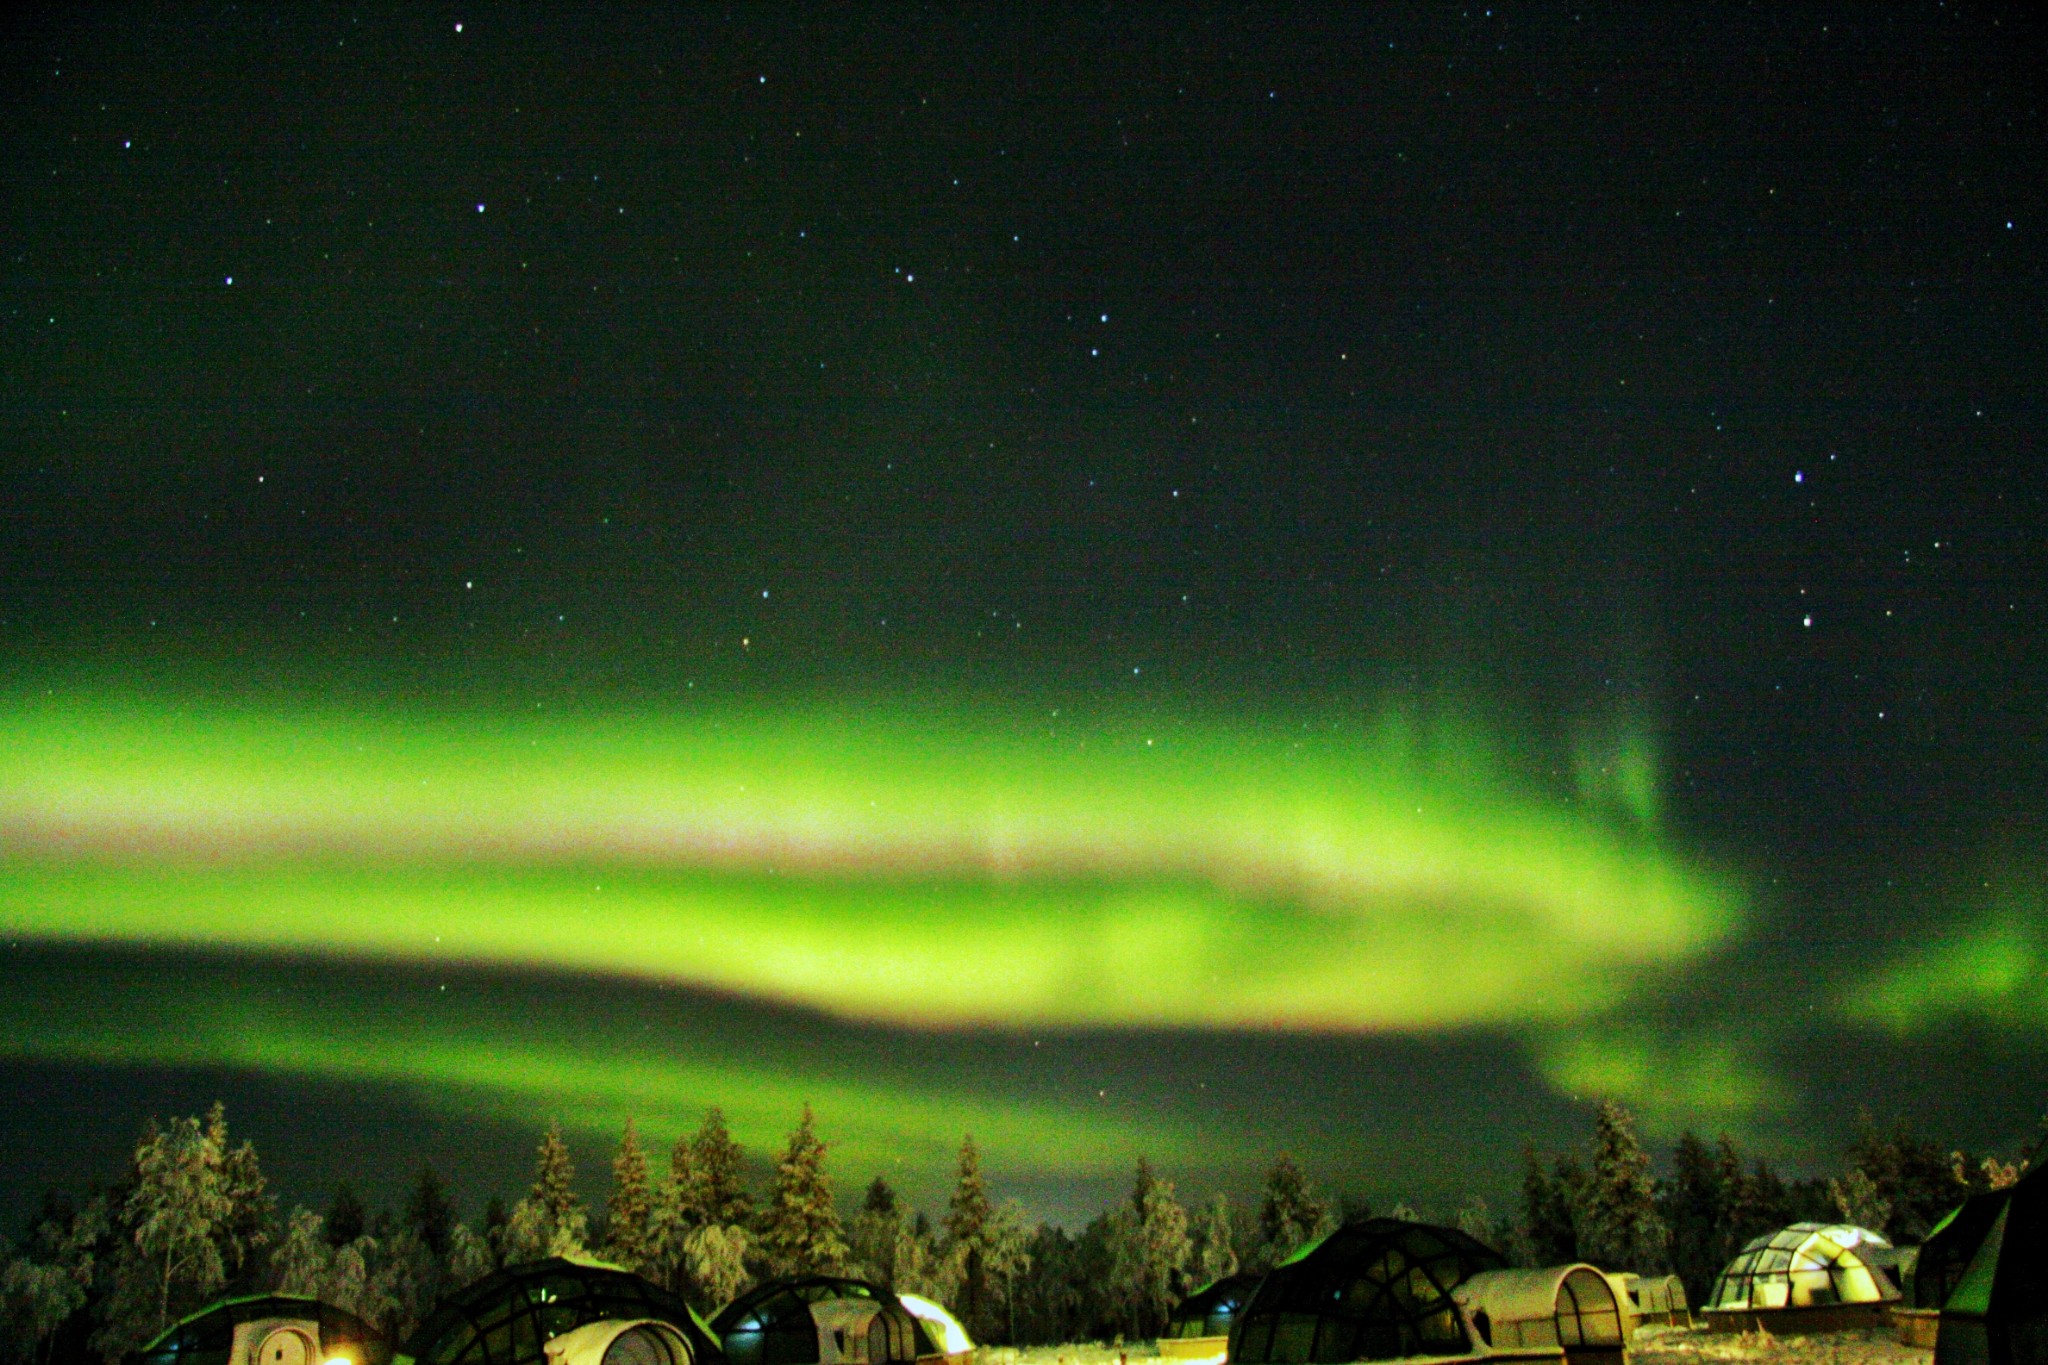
1549,1229
671,1217
718,1169
1215,1253
1289,1215
874,1234
470,1257
1913,1180
631,1205
429,1214
1762,1203
1149,1251
682,1207
497,1218
1475,1219
716,1259
246,1228
550,1221
346,1219
1698,1208
1620,1227
800,1232
968,1215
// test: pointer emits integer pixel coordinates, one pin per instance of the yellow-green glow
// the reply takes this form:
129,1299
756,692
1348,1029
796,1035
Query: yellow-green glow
547,1050
1670,1083
922,867
1996,971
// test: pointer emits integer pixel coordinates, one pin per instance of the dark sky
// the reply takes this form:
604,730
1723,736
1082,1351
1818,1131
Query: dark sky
1614,430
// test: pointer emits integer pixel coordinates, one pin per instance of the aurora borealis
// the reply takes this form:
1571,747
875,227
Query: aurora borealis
895,869
1191,585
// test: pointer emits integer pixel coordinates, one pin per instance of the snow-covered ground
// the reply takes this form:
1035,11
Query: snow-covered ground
1651,1346
1680,1346
1077,1353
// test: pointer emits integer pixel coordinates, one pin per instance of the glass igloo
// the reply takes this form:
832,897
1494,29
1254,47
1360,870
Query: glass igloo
1209,1311
1806,1265
537,1313
820,1320
1375,1289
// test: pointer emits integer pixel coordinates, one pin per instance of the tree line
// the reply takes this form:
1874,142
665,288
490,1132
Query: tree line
192,1218
1603,1205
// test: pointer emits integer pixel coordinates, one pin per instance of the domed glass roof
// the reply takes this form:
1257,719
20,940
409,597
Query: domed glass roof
1375,1289
1806,1265
507,1318
772,1323
1209,1311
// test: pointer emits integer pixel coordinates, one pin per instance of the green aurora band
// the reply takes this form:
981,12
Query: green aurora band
903,866
892,867
511,1049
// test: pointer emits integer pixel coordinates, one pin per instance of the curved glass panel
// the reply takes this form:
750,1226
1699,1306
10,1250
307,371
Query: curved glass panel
1806,1265
508,1317
1376,1289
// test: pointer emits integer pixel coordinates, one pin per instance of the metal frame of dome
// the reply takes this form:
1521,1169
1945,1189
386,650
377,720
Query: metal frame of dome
1375,1289
774,1303
1806,1277
207,1337
509,1316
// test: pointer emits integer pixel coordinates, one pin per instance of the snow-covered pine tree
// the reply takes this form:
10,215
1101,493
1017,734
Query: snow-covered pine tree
966,1225
800,1232
429,1214
1149,1251
300,1261
1620,1228
245,1230
550,1220
1215,1252
167,1231
715,1256
470,1257
1289,1215
872,1236
1698,1207
631,1206
1549,1231
718,1170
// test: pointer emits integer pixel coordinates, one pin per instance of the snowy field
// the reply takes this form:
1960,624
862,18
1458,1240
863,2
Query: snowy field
1680,1346
1651,1346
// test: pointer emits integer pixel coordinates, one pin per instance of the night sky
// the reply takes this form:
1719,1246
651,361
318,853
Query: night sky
1190,581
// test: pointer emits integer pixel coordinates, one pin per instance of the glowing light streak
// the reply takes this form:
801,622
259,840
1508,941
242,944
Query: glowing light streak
921,867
